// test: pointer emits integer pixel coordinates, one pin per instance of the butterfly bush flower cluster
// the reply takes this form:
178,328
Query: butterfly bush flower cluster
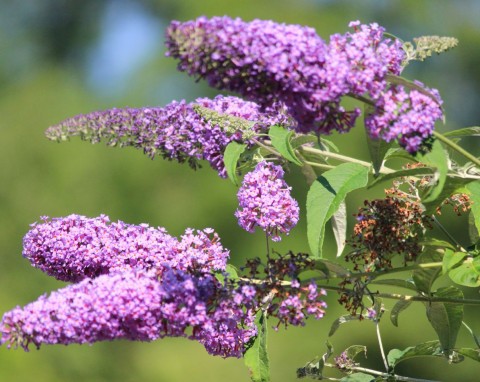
139,283
176,131
135,306
268,62
265,201
76,247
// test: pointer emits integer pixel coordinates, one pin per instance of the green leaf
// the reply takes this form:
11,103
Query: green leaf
339,225
425,277
280,138
232,271
325,196
430,348
473,232
445,318
432,242
396,282
474,194
330,268
470,353
451,259
303,139
376,146
256,357
467,274
341,320
437,158
354,350
408,172
230,159
399,307
358,377
473,131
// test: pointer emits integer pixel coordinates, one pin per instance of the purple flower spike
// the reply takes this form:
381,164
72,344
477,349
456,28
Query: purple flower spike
176,131
408,117
135,306
267,62
77,247
264,200
120,306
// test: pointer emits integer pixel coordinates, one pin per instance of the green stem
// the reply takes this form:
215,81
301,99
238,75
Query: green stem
456,147
379,373
380,344
319,165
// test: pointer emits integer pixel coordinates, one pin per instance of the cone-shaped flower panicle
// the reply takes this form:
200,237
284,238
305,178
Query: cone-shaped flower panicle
175,131
407,116
134,305
265,201
266,62
77,247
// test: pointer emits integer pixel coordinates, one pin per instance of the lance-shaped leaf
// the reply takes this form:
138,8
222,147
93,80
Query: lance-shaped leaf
325,196
453,185
339,225
398,308
473,131
256,357
330,268
280,138
437,158
427,171
430,348
407,284
341,320
446,318
470,353
230,159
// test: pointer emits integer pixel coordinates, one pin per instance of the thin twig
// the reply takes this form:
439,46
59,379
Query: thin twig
380,344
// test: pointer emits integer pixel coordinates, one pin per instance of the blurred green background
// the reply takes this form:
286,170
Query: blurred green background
62,58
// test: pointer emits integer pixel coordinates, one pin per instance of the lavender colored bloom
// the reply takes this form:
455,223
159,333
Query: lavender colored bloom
135,306
267,62
77,247
408,117
264,200
126,305
176,131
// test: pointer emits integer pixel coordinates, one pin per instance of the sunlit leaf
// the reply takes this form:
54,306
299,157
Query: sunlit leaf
256,357
358,377
437,158
451,259
430,348
280,138
230,159
473,131
339,225
325,196
467,274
